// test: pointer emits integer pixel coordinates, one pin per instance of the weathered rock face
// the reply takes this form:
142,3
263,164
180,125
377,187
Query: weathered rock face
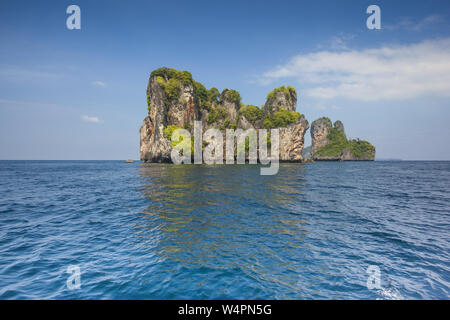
243,123
232,107
319,133
339,126
283,97
181,112
176,100
292,140
154,148
329,143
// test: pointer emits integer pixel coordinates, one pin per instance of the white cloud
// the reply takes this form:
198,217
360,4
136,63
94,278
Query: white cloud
90,119
389,72
407,23
23,74
339,42
99,84
320,105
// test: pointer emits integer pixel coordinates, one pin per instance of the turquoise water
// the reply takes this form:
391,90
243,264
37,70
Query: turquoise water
160,231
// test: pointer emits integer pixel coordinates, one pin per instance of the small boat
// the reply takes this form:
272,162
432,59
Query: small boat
129,161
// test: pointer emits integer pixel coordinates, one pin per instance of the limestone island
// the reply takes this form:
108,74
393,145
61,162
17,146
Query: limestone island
175,100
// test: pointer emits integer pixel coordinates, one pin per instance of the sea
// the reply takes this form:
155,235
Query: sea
323,230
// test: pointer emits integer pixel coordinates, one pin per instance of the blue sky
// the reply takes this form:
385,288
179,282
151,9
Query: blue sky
80,94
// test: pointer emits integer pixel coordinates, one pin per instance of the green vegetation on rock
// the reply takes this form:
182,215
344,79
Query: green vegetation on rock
232,95
184,77
216,114
338,142
361,148
213,95
182,144
161,81
251,113
201,95
205,98
288,91
326,119
167,132
171,87
267,108
281,118
170,80
226,124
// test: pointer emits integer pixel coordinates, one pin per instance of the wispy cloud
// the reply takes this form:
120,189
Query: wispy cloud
321,105
23,74
99,84
339,42
90,119
407,23
389,72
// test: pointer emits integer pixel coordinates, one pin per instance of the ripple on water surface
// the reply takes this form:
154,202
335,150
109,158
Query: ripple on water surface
156,231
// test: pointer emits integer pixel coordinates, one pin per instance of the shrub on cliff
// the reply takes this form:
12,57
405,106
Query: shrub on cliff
201,95
167,132
160,72
338,142
169,73
232,95
251,113
213,95
205,98
288,91
281,118
361,148
326,120
216,114
171,87
170,80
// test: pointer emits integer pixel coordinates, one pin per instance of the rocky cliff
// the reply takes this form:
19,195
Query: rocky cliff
176,100
329,142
